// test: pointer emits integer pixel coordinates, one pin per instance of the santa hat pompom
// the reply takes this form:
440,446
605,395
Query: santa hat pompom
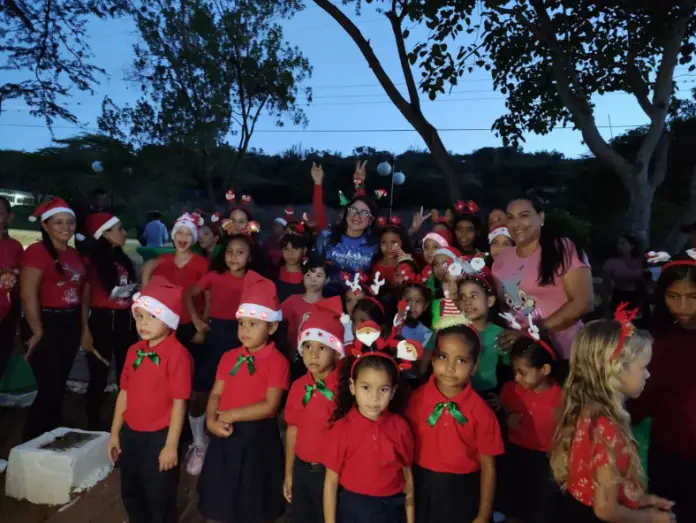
79,237
33,218
215,217
229,196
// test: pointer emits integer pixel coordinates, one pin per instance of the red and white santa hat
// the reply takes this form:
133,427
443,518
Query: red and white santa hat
96,224
259,299
451,252
438,238
326,324
50,208
188,220
499,231
161,299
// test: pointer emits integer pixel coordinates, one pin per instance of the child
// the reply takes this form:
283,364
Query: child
532,403
417,297
151,407
499,239
370,449
393,244
406,270
432,242
242,476
223,284
671,390
466,227
593,454
10,260
290,275
355,291
311,402
209,237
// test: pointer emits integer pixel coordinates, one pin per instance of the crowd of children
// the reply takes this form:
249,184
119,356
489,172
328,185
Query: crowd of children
396,403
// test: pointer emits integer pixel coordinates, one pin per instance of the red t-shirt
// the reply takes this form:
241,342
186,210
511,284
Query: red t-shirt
185,277
538,414
449,446
10,261
56,290
271,370
592,448
152,388
294,310
98,296
369,456
225,292
312,419
290,277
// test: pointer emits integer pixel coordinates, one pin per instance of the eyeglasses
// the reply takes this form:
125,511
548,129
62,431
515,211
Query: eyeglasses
352,211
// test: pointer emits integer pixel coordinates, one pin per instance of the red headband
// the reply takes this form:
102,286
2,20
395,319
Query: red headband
468,207
532,332
624,317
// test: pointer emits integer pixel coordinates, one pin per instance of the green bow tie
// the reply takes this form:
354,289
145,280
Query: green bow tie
242,359
321,387
152,356
449,406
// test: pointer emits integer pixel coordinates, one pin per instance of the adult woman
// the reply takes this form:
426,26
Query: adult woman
624,275
107,324
10,259
545,275
51,282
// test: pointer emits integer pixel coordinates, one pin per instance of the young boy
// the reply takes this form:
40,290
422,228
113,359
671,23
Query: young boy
310,404
289,281
151,407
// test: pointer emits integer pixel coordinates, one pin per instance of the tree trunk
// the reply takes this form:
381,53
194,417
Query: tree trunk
640,209
441,156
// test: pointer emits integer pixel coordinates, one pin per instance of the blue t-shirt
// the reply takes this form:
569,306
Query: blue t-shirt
155,234
420,333
348,255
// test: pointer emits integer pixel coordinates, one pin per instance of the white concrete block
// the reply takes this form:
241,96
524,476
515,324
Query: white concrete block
48,476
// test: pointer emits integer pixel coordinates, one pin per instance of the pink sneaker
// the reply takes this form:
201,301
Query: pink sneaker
196,455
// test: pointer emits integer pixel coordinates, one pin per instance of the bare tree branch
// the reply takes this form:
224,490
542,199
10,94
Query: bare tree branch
396,22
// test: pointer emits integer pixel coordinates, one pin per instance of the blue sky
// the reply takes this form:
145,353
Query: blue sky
347,97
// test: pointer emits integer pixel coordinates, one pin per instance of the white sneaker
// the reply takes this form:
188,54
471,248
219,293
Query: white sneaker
195,456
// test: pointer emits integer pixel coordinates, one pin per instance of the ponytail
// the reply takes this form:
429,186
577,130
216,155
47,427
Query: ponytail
46,240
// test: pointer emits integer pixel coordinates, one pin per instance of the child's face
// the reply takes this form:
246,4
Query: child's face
416,302
429,248
633,377
373,390
254,333
440,264
527,376
359,316
497,218
351,299
206,238
237,256
389,243
453,364
680,299
239,220
499,244
183,239
148,326
466,234
449,286
319,359
277,229
315,280
293,255
473,300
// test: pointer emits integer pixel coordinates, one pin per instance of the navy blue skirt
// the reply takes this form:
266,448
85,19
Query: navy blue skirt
242,476
446,498
221,337
573,511
358,508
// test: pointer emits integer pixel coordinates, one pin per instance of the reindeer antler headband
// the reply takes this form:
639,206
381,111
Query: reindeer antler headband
625,317
532,332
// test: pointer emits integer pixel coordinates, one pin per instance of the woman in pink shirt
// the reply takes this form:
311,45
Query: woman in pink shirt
544,275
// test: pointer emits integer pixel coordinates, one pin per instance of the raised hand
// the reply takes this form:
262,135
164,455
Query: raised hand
317,173
360,171
418,219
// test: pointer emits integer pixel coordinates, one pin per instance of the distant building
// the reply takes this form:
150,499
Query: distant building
18,198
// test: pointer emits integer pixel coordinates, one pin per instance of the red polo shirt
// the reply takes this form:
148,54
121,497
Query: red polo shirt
294,310
312,419
538,414
449,446
152,388
592,448
271,370
57,291
98,296
225,292
369,456
10,253
185,277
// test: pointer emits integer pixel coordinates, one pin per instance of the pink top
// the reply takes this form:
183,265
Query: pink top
626,275
520,293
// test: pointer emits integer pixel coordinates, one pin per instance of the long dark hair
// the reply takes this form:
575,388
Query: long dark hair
536,356
671,275
217,262
337,231
104,256
52,251
556,257
403,238
8,207
633,242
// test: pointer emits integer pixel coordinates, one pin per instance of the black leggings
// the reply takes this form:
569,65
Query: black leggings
113,332
51,363
8,333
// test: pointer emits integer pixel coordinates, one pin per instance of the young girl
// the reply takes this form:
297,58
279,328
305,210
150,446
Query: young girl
432,242
670,394
209,237
593,454
466,227
223,284
242,476
10,260
311,402
499,239
532,403
457,435
406,270
417,297
393,243
290,276
370,447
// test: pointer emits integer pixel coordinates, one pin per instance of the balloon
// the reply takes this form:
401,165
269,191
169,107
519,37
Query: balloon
399,178
97,166
384,169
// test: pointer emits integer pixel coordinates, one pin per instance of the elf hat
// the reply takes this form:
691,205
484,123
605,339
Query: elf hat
161,299
189,221
326,324
259,299
96,224
50,208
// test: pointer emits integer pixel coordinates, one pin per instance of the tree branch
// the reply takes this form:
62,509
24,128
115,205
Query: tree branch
403,57
638,85
18,12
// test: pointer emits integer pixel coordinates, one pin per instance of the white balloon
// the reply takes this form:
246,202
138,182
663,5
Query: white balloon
97,166
384,169
399,178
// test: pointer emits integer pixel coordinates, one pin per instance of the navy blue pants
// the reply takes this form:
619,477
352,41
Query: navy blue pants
358,508
308,492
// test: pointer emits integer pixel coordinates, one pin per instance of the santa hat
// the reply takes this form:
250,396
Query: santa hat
438,238
498,231
452,253
161,299
259,299
281,221
96,224
190,221
326,324
50,208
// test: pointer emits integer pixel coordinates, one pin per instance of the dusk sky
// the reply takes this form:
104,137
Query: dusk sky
349,108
